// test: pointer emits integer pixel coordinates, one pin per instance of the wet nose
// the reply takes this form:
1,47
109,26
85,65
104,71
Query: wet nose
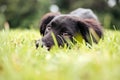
38,42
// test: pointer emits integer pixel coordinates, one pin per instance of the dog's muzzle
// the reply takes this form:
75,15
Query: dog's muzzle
42,44
61,41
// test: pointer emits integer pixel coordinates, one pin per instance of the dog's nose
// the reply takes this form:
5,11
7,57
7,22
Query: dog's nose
45,43
37,43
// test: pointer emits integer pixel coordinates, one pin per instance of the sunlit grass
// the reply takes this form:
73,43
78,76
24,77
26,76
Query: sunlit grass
20,60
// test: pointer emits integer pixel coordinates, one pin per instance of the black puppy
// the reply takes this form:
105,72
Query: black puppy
81,23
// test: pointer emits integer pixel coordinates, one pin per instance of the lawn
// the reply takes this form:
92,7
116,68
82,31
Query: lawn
20,60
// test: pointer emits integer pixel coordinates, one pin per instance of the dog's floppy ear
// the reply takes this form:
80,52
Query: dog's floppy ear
90,30
45,20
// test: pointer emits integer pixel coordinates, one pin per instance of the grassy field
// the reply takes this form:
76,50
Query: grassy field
19,60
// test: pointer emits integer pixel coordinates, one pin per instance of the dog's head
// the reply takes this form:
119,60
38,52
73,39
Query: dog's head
66,27
46,20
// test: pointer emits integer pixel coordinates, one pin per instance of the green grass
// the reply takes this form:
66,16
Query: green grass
19,60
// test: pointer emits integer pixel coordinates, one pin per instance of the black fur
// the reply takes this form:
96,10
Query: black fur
69,25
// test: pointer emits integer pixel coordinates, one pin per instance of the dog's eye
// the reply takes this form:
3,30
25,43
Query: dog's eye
65,34
48,25
49,28
53,24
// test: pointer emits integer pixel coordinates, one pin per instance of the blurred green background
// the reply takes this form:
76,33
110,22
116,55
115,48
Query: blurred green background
27,13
